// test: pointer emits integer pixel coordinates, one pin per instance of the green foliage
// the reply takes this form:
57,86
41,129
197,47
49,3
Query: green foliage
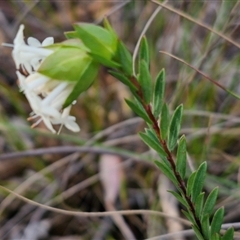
179,198
145,81
124,80
84,82
124,58
167,171
98,40
164,121
198,181
199,205
138,110
197,232
67,63
144,52
158,96
206,226
190,183
228,234
174,127
181,157
217,221
210,202
150,140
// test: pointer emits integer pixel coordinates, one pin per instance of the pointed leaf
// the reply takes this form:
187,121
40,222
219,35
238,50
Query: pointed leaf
188,216
164,122
229,234
123,79
108,26
158,96
190,184
199,205
104,61
210,202
197,232
199,181
216,236
124,58
152,143
145,81
179,198
217,221
152,135
205,226
138,110
84,82
97,39
174,128
71,34
167,171
66,63
181,161
144,51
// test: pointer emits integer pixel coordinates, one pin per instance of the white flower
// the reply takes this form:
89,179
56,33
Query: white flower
46,98
29,56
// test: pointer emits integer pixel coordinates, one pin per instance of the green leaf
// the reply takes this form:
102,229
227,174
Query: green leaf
197,232
181,161
167,171
174,128
71,34
179,198
67,63
124,58
188,216
199,181
205,226
158,96
190,183
216,236
124,80
210,202
152,143
229,234
145,81
144,52
199,205
105,62
152,135
83,83
138,110
217,221
164,122
108,26
97,39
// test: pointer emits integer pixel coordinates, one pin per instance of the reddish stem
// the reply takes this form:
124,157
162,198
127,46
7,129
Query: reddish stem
163,143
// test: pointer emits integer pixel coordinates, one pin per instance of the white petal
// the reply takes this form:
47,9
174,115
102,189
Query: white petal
48,41
72,126
33,42
54,93
19,39
48,124
51,112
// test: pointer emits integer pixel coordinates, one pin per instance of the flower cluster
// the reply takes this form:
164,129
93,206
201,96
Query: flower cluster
46,96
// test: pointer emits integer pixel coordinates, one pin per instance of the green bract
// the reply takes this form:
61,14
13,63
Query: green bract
66,63
100,41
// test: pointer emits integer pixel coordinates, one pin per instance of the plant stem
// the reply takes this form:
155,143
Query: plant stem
170,158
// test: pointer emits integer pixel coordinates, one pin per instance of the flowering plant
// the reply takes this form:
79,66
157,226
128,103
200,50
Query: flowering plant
53,75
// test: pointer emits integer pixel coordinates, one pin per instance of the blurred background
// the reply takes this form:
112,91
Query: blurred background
116,170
